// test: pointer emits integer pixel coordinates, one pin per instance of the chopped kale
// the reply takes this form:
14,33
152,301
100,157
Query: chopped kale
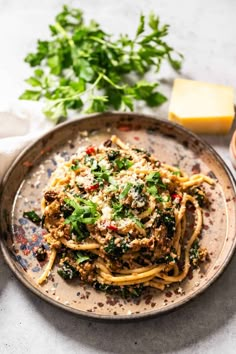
142,151
138,188
112,154
80,230
66,209
32,216
169,259
200,196
115,250
66,271
194,253
41,253
124,291
100,173
168,220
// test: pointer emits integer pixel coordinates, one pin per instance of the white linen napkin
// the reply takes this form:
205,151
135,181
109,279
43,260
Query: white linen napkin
18,127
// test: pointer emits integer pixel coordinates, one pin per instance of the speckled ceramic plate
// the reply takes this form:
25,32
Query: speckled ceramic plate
22,191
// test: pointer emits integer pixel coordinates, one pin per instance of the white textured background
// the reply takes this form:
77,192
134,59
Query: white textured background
205,31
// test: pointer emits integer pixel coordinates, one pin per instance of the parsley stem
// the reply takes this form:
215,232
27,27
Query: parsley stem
99,40
90,88
106,78
61,30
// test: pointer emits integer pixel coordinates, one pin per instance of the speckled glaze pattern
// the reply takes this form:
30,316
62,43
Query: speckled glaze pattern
23,188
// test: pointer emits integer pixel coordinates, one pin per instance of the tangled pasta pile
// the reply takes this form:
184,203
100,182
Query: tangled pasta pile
116,217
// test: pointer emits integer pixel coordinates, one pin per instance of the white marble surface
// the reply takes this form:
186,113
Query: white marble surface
205,32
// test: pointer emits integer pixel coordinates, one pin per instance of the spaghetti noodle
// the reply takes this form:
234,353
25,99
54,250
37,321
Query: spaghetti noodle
117,218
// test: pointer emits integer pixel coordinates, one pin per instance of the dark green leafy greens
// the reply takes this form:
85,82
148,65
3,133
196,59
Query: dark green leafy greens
32,216
75,166
116,250
81,257
124,291
112,154
168,220
194,253
82,67
66,271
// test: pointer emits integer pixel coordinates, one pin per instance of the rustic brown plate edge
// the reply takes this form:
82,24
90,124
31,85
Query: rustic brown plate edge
120,318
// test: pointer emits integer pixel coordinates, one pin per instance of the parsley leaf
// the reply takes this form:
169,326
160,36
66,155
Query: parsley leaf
123,164
75,165
154,179
125,191
84,213
120,212
31,95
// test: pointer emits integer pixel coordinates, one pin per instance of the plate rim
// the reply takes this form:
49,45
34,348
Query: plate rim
115,318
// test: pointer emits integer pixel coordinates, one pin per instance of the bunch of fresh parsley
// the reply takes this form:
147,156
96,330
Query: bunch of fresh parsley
83,68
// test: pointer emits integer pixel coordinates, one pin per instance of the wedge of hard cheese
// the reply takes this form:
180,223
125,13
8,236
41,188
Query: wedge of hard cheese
202,107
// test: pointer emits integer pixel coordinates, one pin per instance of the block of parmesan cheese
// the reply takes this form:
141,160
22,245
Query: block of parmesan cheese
202,107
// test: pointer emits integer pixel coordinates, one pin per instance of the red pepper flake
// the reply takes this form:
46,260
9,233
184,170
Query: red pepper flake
124,128
112,227
27,164
176,197
93,187
136,138
90,150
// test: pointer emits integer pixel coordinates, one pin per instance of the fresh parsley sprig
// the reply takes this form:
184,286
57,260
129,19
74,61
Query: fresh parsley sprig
83,68
84,212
